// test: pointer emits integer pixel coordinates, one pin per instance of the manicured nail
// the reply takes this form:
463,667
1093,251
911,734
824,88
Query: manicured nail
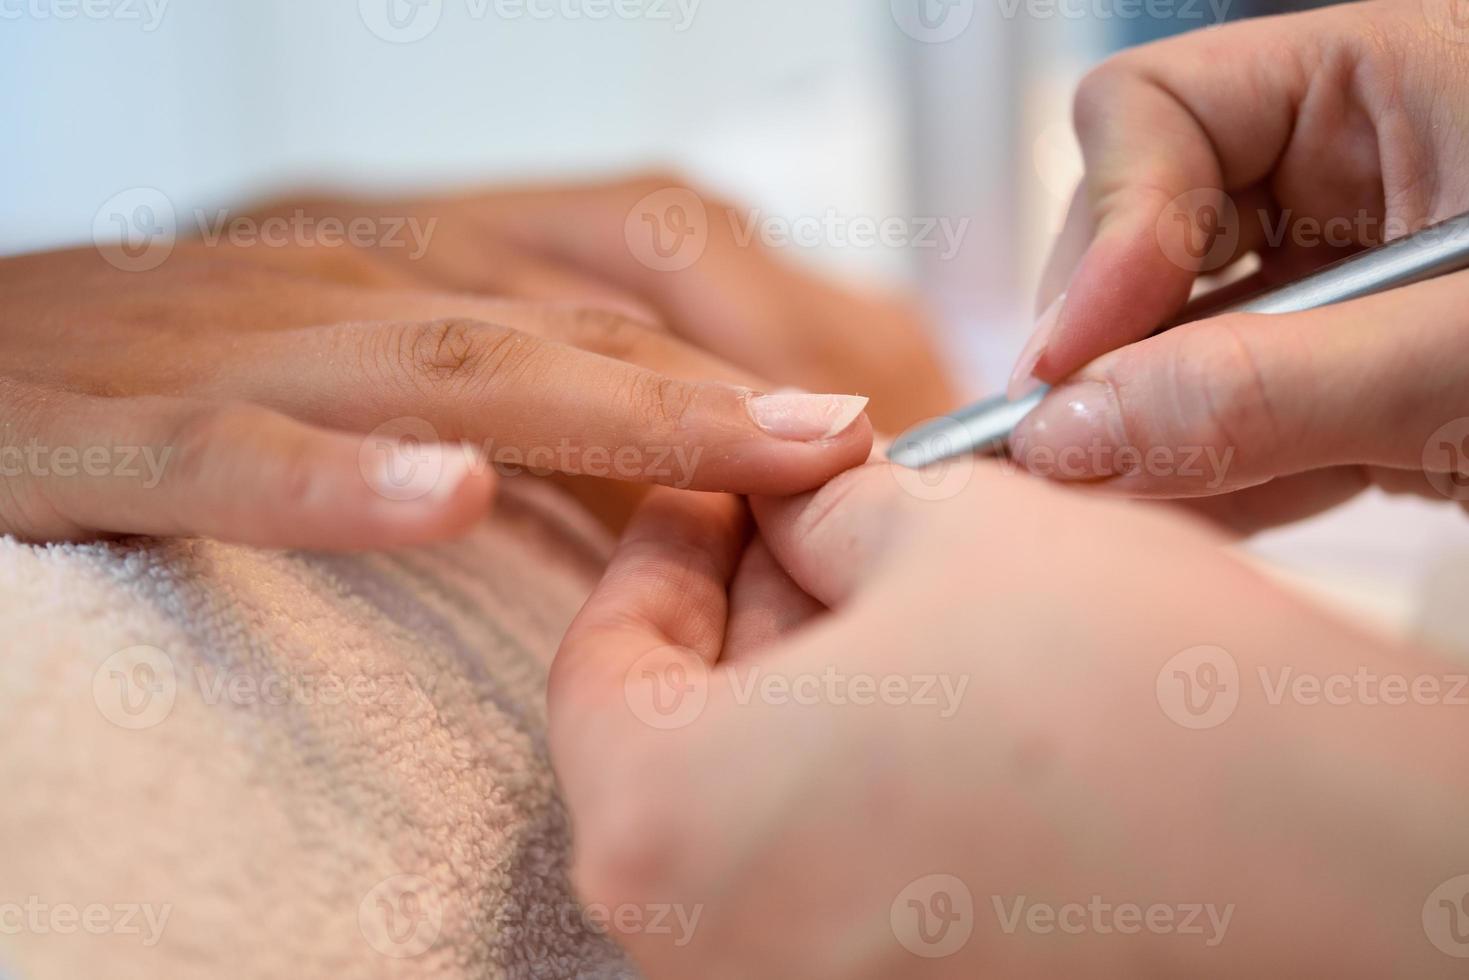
805,418
1023,380
1075,434
423,473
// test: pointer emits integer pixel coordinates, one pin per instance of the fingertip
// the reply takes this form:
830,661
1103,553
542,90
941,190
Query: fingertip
828,539
750,458
424,494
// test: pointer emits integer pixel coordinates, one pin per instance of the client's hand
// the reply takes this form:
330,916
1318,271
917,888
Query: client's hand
228,393
724,290
1001,753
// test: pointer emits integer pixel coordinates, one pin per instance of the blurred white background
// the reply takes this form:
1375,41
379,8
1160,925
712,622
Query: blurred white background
888,108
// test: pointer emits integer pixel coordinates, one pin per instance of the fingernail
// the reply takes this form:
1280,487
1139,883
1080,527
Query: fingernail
423,473
1022,379
805,418
1075,434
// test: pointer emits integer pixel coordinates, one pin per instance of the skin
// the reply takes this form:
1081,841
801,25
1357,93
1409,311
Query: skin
1329,825
793,827
1345,114
259,379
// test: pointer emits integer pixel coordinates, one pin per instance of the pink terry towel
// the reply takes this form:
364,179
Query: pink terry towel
224,763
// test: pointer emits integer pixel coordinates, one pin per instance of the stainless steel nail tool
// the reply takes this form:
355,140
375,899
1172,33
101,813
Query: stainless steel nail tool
1438,250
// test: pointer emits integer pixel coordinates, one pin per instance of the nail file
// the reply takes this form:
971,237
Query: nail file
1438,250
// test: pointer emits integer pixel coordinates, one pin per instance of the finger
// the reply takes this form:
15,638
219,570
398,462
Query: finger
431,244
88,466
1297,498
1237,401
766,605
529,277
1279,502
1167,131
543,405
734,296
661,605
832,542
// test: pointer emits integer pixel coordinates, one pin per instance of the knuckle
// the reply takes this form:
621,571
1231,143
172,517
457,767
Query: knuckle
1096,93
607,332
458,355
658,400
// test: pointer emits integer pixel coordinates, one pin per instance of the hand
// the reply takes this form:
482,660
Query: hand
777,783
740,301
1298,139
228,393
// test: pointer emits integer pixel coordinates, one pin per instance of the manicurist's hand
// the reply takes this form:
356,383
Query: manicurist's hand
325,397
1298,139
872,742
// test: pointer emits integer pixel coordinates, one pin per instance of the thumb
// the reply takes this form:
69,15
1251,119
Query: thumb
1239,400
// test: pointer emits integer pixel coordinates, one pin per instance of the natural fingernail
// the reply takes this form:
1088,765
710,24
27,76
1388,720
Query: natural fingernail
424,473
1023,380
805,418
1080,425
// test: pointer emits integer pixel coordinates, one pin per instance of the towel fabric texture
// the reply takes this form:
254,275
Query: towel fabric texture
222,762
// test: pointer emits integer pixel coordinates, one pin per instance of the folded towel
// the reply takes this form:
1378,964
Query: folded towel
222,762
